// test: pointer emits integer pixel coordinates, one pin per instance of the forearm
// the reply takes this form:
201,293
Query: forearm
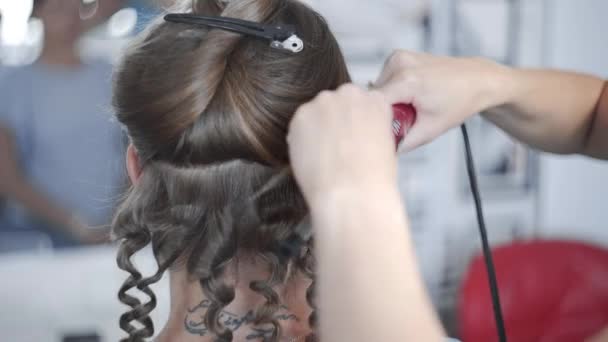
15,187
39,205
551,110
369,285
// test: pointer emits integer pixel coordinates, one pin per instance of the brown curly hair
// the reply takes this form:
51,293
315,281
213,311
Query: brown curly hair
208,112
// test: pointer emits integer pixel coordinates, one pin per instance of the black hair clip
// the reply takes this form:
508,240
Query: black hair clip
281,37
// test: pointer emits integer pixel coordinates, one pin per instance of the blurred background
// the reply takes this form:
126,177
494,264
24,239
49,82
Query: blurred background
62,171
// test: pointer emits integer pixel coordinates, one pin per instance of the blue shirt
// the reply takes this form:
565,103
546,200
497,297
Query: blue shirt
69,146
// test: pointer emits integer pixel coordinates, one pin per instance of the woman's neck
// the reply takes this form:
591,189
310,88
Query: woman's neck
183,295
59,53
189,307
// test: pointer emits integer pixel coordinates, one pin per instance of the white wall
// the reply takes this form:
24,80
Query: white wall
574,190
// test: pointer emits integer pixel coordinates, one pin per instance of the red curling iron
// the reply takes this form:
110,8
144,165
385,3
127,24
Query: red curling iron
404,117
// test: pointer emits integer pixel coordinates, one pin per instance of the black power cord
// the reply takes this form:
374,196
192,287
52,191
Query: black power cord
487,252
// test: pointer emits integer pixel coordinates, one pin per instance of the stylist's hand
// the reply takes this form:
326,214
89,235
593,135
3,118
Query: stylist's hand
342,140
445,91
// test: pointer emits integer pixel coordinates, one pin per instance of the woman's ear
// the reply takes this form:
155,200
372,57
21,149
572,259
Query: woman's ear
133,164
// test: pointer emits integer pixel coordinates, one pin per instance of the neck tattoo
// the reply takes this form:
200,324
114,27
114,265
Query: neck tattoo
194,322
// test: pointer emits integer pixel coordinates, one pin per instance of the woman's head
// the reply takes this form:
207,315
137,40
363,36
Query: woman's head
191,95
61,19
207,112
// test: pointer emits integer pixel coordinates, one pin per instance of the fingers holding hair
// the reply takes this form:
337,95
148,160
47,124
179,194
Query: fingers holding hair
342,139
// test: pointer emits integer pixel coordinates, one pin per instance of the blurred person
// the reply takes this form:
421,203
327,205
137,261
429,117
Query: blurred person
207,112
59,151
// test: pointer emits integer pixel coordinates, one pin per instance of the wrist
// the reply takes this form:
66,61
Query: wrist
499,86
360,217
359,198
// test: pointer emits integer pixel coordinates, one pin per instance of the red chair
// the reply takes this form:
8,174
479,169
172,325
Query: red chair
551,291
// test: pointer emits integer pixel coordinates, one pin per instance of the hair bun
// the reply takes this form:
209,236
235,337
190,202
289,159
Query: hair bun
208,7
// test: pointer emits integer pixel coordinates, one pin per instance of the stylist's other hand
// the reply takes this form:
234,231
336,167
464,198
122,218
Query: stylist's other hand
445,91
342,140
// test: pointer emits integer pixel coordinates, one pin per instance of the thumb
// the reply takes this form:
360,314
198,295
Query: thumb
397,92
417,136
